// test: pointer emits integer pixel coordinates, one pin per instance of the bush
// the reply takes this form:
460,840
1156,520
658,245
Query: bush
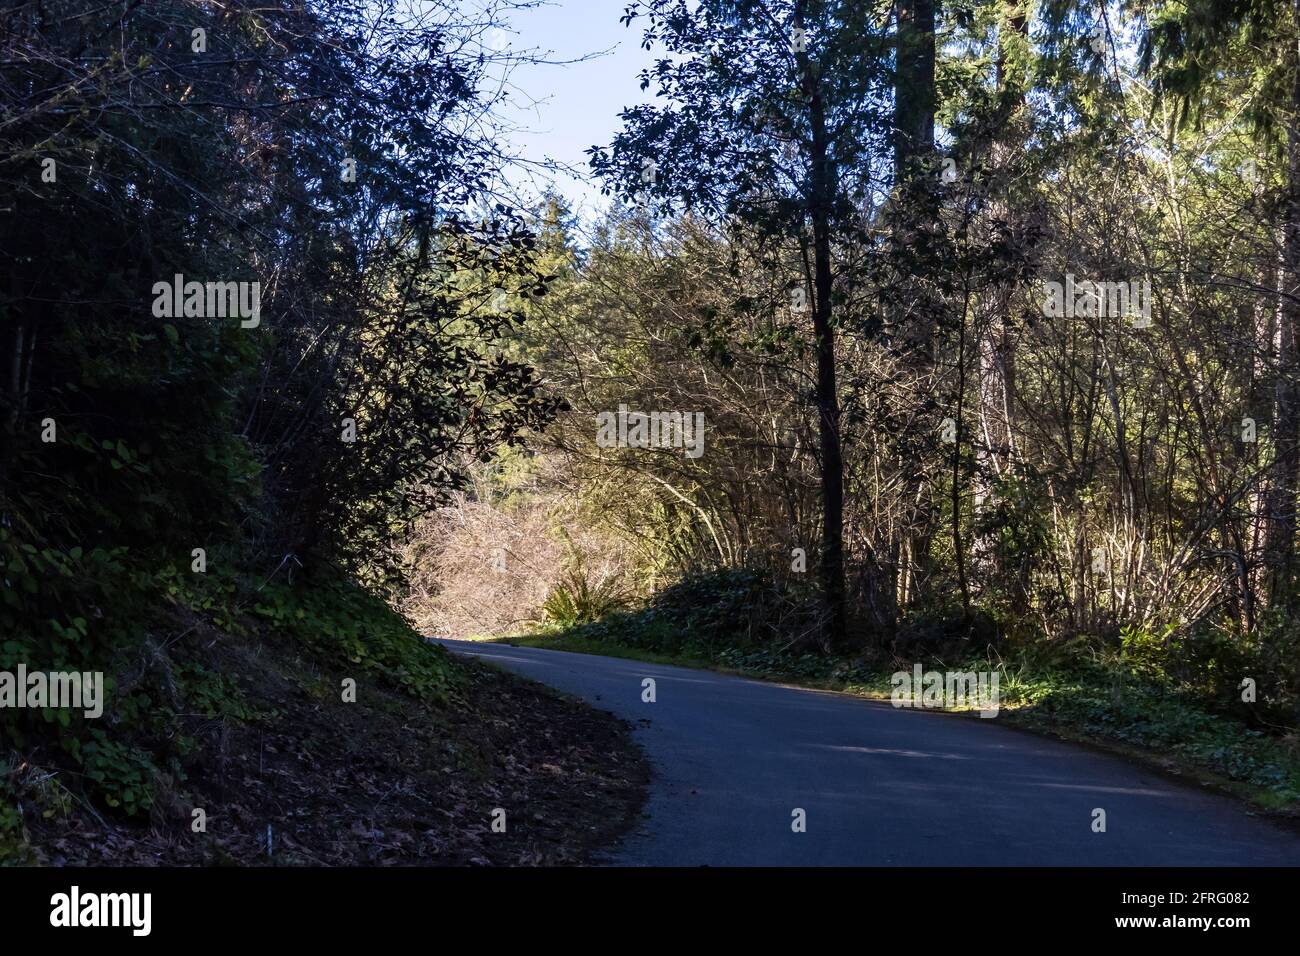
121,775
702,615
345,625
576,600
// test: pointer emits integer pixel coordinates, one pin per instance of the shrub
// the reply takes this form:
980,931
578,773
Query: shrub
577,600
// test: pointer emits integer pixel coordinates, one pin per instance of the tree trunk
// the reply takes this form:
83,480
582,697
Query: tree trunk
914,96
828,406
914,109
996,447
1264,379
1280,539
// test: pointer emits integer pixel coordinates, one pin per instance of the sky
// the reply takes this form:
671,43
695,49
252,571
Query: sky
561,109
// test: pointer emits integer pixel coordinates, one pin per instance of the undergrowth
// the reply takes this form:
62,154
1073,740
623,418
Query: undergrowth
157,683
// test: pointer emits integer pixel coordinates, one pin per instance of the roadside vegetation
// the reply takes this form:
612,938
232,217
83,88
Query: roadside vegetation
990,313
288,725
251,332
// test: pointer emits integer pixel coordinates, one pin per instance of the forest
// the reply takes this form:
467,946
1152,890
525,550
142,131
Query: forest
960,335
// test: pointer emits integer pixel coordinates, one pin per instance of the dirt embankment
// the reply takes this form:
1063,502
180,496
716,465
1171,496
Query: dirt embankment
387,780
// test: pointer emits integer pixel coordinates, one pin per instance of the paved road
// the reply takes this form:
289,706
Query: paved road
734,758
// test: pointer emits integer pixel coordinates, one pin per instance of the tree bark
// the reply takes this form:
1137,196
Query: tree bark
914,95
996,448
1283,480
832,463
913,141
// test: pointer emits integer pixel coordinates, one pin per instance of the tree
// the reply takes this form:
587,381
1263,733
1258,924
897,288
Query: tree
317,158
1188,49
772,115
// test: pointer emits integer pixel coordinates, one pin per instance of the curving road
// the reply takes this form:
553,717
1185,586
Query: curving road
734,758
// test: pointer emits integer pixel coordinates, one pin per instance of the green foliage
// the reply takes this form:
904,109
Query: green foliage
130,437
578,600
736,607
120,774
706,613
1163,721
212,694
1270,656
357,632
1144,653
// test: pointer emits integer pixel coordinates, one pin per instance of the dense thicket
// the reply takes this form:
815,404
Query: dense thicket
1023,467
337,155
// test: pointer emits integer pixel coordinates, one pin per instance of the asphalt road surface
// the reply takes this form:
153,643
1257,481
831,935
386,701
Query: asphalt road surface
734,759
